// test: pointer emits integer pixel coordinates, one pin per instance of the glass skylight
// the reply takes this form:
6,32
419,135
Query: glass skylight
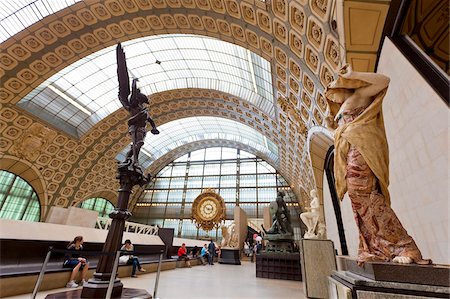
183,131
16,15
161,63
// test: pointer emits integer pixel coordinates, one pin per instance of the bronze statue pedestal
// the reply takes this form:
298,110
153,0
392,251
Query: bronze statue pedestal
129,176
125,294
229,256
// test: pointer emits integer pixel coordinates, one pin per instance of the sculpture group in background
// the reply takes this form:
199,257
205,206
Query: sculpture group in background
135,106
311,218
361,166
280,235
230,237
281,219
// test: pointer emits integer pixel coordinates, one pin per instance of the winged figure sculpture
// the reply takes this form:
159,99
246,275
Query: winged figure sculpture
134,104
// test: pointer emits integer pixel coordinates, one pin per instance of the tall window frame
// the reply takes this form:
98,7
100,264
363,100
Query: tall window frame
241,178
98,204
18,199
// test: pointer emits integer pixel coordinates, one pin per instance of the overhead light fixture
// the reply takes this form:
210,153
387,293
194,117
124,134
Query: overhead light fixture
69,99
252,71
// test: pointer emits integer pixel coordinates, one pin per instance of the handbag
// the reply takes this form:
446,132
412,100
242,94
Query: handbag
124,259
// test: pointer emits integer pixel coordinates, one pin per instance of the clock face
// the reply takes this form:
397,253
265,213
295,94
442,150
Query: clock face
208,209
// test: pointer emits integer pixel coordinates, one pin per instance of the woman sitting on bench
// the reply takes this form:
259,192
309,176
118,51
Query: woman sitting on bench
76,262
130,259
182,255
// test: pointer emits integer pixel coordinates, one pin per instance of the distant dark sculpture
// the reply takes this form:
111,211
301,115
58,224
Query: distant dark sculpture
281,219
135,106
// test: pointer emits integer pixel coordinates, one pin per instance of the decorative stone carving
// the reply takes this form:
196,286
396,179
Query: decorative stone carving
32,142
230,236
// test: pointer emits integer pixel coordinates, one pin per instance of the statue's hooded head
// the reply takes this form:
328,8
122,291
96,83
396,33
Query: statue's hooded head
339,89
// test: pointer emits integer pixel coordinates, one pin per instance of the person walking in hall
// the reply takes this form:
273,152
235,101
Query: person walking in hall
130,259
76,262
212,251
182,255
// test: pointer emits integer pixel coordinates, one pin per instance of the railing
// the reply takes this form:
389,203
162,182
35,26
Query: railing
113,274
130,227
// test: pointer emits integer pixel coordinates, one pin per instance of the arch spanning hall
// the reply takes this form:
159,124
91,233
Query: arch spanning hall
84,93
174,154
294,36
191,129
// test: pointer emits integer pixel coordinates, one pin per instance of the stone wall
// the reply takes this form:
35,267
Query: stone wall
417,128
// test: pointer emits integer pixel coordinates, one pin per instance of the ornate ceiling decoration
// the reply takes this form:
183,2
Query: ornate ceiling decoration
208,210
295,36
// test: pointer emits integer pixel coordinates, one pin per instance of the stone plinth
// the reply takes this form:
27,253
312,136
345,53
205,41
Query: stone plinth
403,273
267,218
318,262
229,256
347,285
72,216
240,219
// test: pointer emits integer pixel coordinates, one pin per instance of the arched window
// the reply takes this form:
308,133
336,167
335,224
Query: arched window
18,200
241,178
99,204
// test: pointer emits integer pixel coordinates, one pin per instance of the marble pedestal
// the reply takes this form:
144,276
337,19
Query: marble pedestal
347,285
229,256
318,262
406,273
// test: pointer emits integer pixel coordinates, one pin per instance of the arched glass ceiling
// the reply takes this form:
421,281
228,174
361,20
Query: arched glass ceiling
82,94
17,15
182,131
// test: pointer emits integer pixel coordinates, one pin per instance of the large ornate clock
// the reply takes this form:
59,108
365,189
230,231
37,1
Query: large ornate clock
208,210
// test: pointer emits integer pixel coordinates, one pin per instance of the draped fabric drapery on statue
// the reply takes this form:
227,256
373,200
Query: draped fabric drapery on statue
361,168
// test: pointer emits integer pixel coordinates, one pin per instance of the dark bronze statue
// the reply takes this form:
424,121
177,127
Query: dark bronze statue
281,218
135,106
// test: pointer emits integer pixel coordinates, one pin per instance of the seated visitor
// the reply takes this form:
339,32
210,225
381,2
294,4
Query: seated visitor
204,254
218,251
76,262
195,252
182,255
130,259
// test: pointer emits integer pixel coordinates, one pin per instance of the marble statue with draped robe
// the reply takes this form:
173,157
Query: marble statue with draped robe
361,166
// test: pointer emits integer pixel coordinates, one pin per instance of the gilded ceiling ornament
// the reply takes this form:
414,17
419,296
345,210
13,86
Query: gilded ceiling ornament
208,210
32,142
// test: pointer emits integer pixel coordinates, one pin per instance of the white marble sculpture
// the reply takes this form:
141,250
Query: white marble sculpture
311,217
229,236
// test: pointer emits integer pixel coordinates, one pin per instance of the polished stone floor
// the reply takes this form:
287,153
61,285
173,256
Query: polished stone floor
217,281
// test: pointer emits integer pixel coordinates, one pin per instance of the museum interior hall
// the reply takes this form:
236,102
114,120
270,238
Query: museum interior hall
224,149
